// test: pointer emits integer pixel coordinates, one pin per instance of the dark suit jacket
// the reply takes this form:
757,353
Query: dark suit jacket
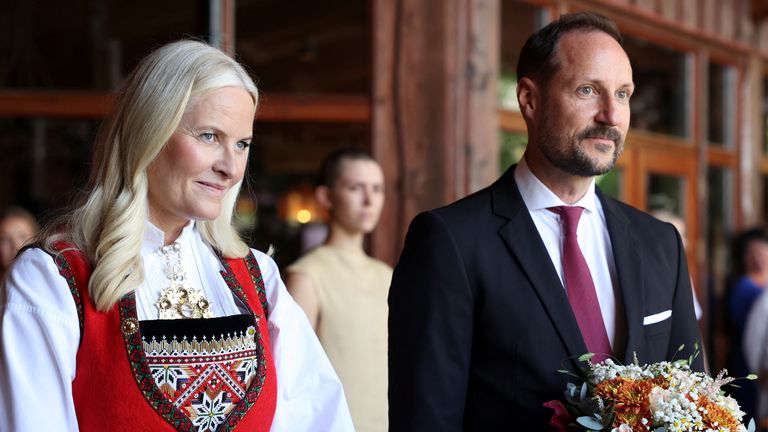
479,323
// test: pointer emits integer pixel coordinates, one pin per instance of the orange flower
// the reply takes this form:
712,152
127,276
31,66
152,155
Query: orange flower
631,400
716,417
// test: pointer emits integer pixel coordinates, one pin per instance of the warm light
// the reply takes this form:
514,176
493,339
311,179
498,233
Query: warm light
303,216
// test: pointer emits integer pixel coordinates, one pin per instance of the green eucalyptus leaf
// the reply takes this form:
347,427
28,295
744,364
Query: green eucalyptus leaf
589,423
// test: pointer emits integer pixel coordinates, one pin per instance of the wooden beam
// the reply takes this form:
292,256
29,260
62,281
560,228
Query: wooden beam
59,104
283,107
275,107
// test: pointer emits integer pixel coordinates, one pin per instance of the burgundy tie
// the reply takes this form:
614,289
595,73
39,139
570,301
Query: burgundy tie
581,288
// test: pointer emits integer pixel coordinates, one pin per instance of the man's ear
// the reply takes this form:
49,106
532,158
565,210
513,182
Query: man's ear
323,196
527,97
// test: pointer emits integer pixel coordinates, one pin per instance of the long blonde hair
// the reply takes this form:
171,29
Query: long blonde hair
108,222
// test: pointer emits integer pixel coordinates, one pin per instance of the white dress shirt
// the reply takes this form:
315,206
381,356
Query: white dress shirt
40,336
592,235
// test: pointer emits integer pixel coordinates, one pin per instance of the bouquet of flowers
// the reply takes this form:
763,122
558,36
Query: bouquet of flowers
660,397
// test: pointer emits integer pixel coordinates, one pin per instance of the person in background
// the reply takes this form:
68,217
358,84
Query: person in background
17,227
142,309
748,279
497,292
343,290
755,349
679,224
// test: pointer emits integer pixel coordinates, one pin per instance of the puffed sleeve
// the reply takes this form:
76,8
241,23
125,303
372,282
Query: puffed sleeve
309,394
39,338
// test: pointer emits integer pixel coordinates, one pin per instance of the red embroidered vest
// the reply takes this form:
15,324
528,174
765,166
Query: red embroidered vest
114,388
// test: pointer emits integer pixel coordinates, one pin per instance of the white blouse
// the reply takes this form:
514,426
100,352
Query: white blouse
40,336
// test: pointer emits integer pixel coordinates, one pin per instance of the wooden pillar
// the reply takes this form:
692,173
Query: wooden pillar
434,125
751,137
221,24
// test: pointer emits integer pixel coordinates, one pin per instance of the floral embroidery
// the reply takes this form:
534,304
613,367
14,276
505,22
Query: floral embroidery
142,373
209,413
233,372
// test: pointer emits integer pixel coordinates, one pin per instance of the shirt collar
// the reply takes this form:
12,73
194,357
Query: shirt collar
537,196
154,237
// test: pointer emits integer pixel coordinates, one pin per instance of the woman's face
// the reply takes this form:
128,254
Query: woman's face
202,160
357,196
14,233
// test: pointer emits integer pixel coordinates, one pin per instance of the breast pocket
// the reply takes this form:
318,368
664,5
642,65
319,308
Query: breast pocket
657,328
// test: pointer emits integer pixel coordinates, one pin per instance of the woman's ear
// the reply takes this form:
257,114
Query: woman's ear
323,196
527,92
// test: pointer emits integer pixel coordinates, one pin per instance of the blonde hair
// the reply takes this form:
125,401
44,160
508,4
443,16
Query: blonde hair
108,223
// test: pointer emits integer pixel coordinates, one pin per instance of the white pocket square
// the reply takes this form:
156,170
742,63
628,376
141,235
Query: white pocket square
659,317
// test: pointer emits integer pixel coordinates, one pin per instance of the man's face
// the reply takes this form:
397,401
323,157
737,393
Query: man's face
583,114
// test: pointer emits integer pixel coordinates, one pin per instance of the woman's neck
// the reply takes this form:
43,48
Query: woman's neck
171,231
344,239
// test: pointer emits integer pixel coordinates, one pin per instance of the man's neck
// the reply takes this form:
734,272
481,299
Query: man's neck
567,187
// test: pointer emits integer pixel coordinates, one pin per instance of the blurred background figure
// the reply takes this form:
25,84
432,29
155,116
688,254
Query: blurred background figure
343,290
755,346
746,283
17,227
679,224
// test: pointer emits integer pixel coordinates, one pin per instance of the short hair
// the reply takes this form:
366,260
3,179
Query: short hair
741,244
330,170
537,59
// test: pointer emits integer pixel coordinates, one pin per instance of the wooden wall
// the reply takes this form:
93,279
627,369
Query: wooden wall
434,121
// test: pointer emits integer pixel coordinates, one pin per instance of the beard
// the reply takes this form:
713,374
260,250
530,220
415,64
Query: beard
567,153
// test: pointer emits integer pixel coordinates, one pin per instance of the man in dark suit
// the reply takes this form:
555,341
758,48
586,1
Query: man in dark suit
492,294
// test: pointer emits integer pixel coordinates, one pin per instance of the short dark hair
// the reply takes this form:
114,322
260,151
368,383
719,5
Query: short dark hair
537,58
330,170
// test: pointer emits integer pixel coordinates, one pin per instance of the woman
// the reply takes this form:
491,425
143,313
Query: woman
343,290
17,227
142,309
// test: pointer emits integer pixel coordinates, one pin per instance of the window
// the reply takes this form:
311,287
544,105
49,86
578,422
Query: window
661,101
518,21
720,212
512,148
666,192
722,105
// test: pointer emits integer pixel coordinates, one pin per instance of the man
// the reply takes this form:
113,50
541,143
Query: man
344,291
490,298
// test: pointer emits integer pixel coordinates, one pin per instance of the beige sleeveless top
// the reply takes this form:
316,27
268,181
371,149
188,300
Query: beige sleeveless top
352,291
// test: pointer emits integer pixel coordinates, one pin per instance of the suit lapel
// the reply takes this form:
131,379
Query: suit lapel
523,240
629,271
